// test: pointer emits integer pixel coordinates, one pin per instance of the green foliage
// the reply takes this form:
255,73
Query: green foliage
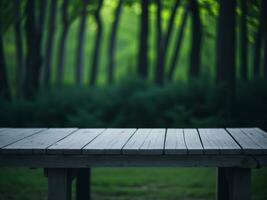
134,103
6,15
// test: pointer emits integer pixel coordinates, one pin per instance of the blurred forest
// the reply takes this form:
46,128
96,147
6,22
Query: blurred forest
133,63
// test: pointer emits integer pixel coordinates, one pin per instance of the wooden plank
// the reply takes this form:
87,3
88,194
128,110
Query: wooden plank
14,130
2,129
193,142
218,141
154,143
261,131
136,141
175,142
74,143
110,141
247,144
86,161
146,141
39,142
257,136
209,143
10,136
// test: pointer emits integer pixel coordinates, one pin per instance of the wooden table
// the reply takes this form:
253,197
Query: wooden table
67,153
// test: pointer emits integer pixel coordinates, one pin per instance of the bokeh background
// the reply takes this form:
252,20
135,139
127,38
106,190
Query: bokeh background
133,63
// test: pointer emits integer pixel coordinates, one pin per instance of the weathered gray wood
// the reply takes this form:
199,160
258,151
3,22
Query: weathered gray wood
146,141
136,141
6,131
83,188
258,137
234,183
192,141
110,141
74,143
59,184
10,136
86,161
2,129
261,131
175,142
218,141
247,144
154,143
121,142
38,143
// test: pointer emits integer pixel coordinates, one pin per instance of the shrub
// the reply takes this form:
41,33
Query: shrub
134,103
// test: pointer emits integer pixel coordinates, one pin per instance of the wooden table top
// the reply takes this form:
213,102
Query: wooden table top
248,143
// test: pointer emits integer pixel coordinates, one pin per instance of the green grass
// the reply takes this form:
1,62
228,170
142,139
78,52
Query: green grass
129,183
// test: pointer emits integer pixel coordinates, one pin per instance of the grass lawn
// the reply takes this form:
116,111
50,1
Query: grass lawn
129,183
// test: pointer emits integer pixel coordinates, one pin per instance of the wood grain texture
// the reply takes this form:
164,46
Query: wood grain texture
10,136
146,141
257,136
6,131
217,141
2,129
247,144
175,142
74,143
133,141
110,141
38,143
193,142
261,131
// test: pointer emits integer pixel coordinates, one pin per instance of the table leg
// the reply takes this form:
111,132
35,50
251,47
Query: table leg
234,183
59,184
222,184
83,184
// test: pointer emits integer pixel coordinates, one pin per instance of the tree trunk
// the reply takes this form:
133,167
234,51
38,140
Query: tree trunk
143,41
97,45
19,48
167,37
49,43
264,5
42,11
61,56
258,43
79,50
112,40
225,58
159,47
33,57
244,42
39,32
61,50
4,89
195,59
179,39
